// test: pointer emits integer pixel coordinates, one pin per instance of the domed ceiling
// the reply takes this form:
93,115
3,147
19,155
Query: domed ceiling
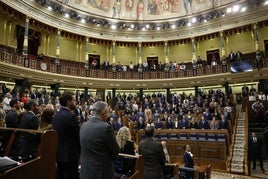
143,20
145,9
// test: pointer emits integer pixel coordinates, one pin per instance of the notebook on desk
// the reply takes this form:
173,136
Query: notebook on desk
6,163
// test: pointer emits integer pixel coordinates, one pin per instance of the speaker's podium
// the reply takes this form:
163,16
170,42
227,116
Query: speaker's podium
129,166
34,150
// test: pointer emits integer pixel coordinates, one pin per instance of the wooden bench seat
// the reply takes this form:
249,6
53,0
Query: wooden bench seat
36,149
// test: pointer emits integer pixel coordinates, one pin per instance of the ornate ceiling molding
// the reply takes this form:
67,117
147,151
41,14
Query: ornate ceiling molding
36,11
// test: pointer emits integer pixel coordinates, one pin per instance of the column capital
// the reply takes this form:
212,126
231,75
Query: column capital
255,25
221,33
27,19
59,31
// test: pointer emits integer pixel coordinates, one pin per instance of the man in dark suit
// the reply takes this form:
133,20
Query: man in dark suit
154,157
105,65
188,161
231,56
68,151
140,124
255,147
11,118
203,124
29,120
99,147
42,100
223,123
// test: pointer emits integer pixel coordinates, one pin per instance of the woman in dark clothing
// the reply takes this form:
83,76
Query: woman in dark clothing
126,147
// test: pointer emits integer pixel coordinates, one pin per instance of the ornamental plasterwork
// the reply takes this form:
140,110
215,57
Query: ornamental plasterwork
36,11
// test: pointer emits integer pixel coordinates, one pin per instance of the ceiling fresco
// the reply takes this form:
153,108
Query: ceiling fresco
143,10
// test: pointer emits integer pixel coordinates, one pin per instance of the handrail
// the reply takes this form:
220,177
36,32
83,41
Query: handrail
128,155
22,130
134,175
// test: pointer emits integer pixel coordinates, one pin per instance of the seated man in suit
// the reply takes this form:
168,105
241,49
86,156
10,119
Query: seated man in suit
184,123
203,124
223,123
158,124
140,123
169,123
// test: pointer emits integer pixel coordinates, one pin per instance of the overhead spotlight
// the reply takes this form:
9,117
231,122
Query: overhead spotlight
189,24
205,20
147,26
113,26
49,8
243,9
83,20
173,26
266,3
66,15
132,26
158,28
143,29
236,8
194,20
229,10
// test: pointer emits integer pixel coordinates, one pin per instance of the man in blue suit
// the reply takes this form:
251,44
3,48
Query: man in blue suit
68,150
188,161
203,124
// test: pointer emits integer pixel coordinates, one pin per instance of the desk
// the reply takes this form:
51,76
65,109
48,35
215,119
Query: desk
205,151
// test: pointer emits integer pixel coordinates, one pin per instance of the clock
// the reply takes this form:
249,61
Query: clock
43,66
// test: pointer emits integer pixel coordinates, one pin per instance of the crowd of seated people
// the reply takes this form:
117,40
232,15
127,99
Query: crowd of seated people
179,111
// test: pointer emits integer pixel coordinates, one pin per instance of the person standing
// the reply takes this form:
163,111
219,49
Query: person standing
164,144
29,120
11,118
68,150
255,147
6,101
126,146
188,161
154,157
99,147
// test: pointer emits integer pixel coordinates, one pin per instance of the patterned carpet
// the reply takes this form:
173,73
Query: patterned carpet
240,147
255,174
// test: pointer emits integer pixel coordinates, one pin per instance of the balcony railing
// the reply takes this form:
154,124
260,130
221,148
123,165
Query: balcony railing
78,68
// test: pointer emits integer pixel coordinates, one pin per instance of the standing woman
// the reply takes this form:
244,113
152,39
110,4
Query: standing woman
126,146
124,141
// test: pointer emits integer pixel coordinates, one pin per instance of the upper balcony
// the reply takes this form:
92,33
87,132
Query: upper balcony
74,74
